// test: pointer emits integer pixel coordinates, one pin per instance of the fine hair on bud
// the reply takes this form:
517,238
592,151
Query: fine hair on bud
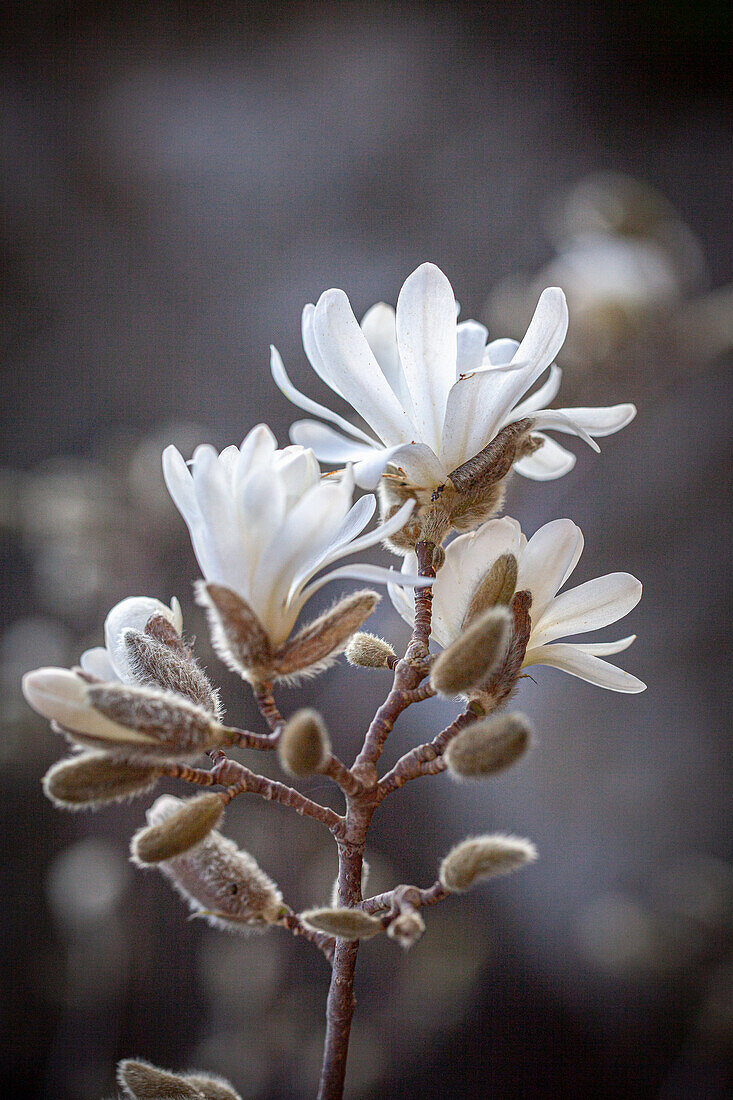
488,746
406,928
319,643
93,778
212,1087
483,857
142,1081
171,667
497,587
220,882
346,924
470,660
237,635
368,651
304,746
187,826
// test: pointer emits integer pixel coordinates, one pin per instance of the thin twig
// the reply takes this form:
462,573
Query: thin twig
321,940
336,769
238,780
425,759
188,774
414,895
268,707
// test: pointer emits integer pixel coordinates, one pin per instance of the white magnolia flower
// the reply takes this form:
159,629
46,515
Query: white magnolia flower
432,390
264,521
111,661
545,563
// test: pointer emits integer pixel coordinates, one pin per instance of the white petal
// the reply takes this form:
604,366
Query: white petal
590,606
299,399
377,574
60,695
217,544
602,421
603,649
379,325
426,337
329,445
547,463
569,658
499,353
545,560
352,370
179,483
97,663
559,422
418,463
471,340
541,397
310,344
130,614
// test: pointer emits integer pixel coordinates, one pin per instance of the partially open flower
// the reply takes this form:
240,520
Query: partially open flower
112,661
483,857
545,563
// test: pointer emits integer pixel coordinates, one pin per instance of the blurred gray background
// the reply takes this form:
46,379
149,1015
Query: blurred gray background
177,181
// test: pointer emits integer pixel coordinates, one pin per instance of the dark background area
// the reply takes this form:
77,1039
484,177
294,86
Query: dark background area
176,182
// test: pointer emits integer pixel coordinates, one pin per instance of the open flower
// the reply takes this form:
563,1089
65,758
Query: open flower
432,390
112,660
263,523
544,564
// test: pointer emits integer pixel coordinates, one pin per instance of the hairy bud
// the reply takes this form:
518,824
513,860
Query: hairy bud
218,880
488,746
237,635
484,857
93,778
181,830
406,928
212,1087
143,1081
319,643
368,651
347,924
169,666
473,656
497,587
304,746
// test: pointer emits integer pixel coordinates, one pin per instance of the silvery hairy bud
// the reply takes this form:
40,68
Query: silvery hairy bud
483,857
488,746
469,661
143,1081
218,880
212,1087
369,651
178,832
304,746
346,924
158,656
406,928
122,720
497,588
93,779
243,643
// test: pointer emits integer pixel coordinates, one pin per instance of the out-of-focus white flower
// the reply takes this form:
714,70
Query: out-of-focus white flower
263,522
432,390
545,563
112,661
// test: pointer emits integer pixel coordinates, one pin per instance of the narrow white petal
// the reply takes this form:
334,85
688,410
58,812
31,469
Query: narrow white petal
310,344
602,421
328,445
426,337
97,663
353,371
377,574
179,482
471,340
344,542
299,399
499,353
545,560
379,325
604,649
218,546
590,606
586,666
549,462
541,397
559,422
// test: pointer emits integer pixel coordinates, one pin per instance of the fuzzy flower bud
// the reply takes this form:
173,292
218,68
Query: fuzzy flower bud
497,587
93,778
407,928
218,880
142,1081
369,651
181,830
474,655
212,1087
484,857
158,656
304,745
346,924
488,746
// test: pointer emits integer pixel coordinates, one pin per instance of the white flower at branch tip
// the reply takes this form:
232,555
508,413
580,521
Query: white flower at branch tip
263,522
62,696
545,563
111,661
433,390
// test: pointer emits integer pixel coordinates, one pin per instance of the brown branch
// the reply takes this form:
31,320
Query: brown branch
323,942
336,770
189,775
268,707
238,780
416,896
247,740
425,759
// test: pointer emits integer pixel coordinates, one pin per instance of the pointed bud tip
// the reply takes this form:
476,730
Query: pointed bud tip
483,857
143,1081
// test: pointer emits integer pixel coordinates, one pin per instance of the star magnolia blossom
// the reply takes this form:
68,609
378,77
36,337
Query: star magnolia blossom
263,522
545,563
111,661
432,390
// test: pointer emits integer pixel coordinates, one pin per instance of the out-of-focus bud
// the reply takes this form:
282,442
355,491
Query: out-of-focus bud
212,1087
93,778
488,746
497,587
407,928
470,660
369,651
218,880
187,826
154,661
346,924
320,642
483,857
304,746
142,1081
